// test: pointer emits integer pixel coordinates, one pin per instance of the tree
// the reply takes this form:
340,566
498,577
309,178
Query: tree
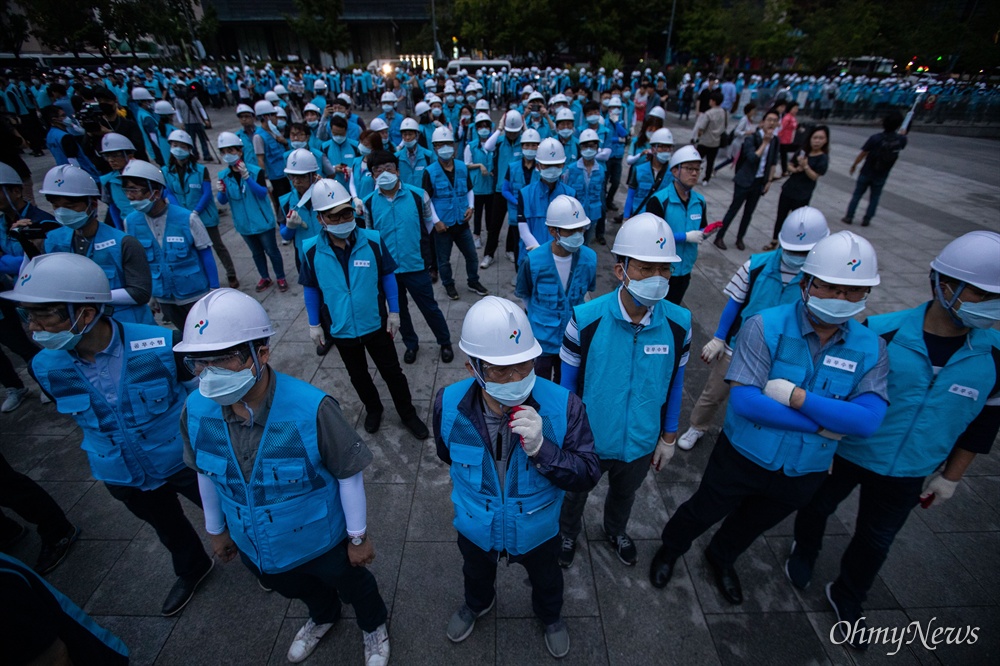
318,23
65,26
14,31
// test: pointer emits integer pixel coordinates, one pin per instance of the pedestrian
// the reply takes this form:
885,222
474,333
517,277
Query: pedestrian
340,150
744,128
803,375
807,166
586,177
649,175
533,200
413,158
269,147
879,153
708,130
519,174
304,532
62,140
489,428
393,120
506,149
349,271
125,389
786,135
615,141
945,386
624,354
298,221
164,113
143,108
195,119
478,161
117,151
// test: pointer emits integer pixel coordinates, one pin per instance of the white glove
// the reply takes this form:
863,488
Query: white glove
528,425
317,336
695,237
713,351
941,488
293,220
244,171
780,390
392,324
663,453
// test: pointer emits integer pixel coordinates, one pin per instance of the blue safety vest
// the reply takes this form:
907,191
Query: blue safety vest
765,289
395,132
450,198
289,511
354,309
398,221
628,377
589,189
505,154
148,123
111,182
928,412
835,374
188,190
162,141
53,141
517,183
274,154
340,154
525,513
136,440
249,152
289,202
645,180
550,306
481,183
251,214
535,199
413,174
176,267
682,218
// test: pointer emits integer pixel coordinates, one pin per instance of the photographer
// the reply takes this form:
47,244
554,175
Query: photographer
63,143
113,118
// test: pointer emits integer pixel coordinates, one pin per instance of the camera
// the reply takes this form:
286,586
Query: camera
91,118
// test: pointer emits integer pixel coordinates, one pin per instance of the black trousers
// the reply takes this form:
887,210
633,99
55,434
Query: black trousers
548,366
746,197
678,287
495,226
749,497
480,572
382,350
13,337
483,213
708,153
323,582
162,509
786,205
28,500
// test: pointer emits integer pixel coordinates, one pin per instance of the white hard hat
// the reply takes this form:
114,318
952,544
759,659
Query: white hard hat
803,228
308,107
243,108
163,108
482,105
222,319
535,96
144,170
181,136
498,332
974,259
70,181
615,103
229,140
377,125
483,118
280,90
684,154
588,135
301,161
61,277
421,108
328,193
442,135
664,137
843,258
271,96
345,98
564,114
388,97
281,112
263,108
657,112
565,212
141,94
551,151
8,176
513,122
409,124
531,136
319,84
114,142
646,237
558,98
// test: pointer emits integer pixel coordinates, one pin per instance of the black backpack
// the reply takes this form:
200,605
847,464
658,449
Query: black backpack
881,159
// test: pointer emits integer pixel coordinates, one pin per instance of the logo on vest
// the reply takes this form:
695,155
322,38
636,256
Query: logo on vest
104,245
362,263
840,363
964,391
854,263
515,336
661,242
175,239
201,326
149,343
657,349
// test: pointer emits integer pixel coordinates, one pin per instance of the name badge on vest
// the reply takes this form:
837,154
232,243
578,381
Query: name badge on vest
175,239
362,263
419,168
696,216
964,391
657,349
149,343
105,244
840,363
196,186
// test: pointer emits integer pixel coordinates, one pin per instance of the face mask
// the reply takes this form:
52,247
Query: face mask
571,243
535,115
410,144
339,114
230,158
63,340
550,174
74,129
980,315
604,102
436,112
512,394
565,133
466,118
626,94
339,139
614,115
529,153
313,124
71,218
180,153
650,291
450,99
459,98
795,262
588,153
272,127
142,205
387,108
593,120
834,310
663,158
483,132
342,230
386,180
479,96
446,152
364,150
298,144
225,387
282,124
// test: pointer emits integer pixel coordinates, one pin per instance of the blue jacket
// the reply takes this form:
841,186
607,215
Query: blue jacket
765,289
928,413
413,174
190,191
274,161
532,205
251,214
682,218
136,441
176,268
289,511
451,196
646,185
289,202
399,223
504,154
249,152
590,190
112,184
340,154
354,309
481,183
513,184
550,306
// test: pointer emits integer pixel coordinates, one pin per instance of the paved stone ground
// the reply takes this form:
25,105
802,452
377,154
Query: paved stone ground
943,567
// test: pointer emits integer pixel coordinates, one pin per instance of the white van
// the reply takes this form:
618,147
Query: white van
472,65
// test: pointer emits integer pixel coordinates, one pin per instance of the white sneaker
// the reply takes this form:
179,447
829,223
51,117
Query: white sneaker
306,640
376,647
15,396
513,280
478,242
510,257
486,262
690,438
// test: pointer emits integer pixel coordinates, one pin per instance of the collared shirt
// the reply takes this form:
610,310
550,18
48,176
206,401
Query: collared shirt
570,351
763,156
106,369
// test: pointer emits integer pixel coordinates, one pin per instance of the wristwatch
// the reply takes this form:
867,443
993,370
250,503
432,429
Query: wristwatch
358,540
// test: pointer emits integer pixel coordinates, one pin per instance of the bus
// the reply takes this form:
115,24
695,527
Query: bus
454,66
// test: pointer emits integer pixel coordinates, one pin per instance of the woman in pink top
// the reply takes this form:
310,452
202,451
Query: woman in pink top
786,134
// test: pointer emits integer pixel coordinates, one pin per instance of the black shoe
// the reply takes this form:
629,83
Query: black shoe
372,421
478,289
566,552
601,240
612,206
847,220
740,245
624,548
851,626
865,222
447,354
434,276
410,355
14,537
416,427
799,567
323,350
618,219
452,292
721,244
726,580
182,591
53,554
661,568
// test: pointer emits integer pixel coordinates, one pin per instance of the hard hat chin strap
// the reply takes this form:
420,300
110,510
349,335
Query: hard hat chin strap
71,308
949,304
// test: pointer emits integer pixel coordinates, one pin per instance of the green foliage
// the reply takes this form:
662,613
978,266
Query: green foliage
65,26
318,23
611,60
14,31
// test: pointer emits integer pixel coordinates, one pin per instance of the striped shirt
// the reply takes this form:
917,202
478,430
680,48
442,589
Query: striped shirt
739,286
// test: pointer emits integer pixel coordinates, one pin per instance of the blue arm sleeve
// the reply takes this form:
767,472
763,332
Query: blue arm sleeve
116,217
222,197
313,300
627,211
391,291
208,263
728,317
569,376
171,197
680,237
673,415
751,403
10,264
206,196
286,233
860,417
508,193
258,190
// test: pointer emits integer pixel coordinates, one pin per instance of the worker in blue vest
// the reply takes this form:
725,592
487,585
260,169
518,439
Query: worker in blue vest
125,389
349,272
340,150
515,445
15,212
650,176
164,112
246,132
143,107
534,198
401,214
393,120
478,162
803,376
624,354
504,146
177,246
618,134
413,158
687,214
189,186
944,380
280,472
557,278
449,186
519,174
63,143
269,147
765,280
74,198
586,176
117,150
